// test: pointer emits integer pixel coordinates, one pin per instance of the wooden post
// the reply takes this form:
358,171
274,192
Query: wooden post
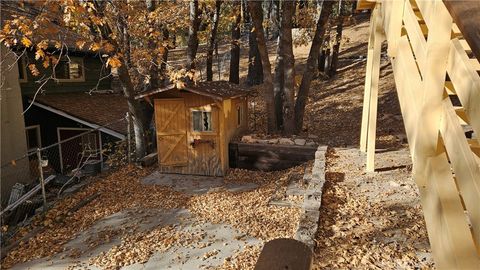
42,181
369,115
129,147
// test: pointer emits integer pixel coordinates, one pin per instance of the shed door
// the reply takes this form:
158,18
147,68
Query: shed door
171,131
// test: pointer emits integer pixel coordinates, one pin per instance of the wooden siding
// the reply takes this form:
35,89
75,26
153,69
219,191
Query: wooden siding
231,129
92,69
203,159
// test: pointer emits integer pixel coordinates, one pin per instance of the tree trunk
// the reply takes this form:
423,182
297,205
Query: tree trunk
153,69
234,75
136,111
288,67
135,108
193,34
311,65
338,40
256,12
212,40
279,80
163,65
255,69
325,51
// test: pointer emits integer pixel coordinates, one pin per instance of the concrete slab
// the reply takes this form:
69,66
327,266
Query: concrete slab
219,242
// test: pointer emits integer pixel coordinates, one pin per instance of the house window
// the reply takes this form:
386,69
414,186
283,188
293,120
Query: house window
239,115
32,134
202,121
70,69
22,69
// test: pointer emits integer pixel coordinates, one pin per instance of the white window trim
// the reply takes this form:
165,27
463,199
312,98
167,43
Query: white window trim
82,65
39,138
23,70
211,121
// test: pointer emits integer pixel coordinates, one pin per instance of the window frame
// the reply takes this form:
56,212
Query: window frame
82,66
202,110
39,138
240,115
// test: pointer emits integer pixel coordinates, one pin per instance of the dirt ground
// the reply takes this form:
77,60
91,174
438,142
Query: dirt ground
367,221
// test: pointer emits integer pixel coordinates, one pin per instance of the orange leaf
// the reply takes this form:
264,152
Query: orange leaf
26,42
33,70
39,54
114,62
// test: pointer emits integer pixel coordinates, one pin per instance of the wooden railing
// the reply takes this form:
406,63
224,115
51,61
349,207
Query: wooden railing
433,65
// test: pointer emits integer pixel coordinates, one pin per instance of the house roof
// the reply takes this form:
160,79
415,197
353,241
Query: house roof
92,110
214,89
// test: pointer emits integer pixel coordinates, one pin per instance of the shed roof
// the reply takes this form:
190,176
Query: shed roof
93,110
213,89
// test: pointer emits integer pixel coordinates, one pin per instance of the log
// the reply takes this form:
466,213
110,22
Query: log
149,160
268,157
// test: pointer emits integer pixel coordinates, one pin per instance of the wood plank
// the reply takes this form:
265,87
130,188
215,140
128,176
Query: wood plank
432,90
464,164
392,23
408,81
466,83
466,15
448,230
375,77
367,87
417,38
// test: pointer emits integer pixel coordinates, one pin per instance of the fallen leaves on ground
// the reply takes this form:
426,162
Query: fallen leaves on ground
243,260
119,190
249,211
363,228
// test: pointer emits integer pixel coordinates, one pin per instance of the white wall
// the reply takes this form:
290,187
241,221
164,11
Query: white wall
12,126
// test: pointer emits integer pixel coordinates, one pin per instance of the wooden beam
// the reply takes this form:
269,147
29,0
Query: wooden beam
369,117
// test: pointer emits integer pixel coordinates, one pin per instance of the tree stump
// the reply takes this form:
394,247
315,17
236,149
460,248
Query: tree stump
284,254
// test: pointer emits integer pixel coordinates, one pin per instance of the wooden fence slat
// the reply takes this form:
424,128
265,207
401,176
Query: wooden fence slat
448,231
466,83
464,165
408,81
417,40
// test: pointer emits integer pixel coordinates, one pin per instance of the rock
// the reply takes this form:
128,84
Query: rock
286,141
310,144
273,141
394,184
311,136
248,139
300,141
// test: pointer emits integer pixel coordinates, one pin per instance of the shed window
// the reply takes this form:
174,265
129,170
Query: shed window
239,115
202,120
70,69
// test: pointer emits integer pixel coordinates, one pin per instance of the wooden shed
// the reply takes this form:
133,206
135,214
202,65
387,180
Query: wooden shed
195,124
